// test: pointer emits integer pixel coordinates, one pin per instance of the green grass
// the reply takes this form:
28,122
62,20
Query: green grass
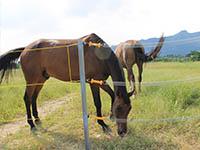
151,127
11,95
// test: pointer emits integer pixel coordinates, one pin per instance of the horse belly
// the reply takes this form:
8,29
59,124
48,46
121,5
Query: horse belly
58,66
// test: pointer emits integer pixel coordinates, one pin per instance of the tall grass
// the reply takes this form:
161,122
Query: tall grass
162,117
12,92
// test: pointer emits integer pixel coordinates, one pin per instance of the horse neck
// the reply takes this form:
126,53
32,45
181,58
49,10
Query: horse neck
117,75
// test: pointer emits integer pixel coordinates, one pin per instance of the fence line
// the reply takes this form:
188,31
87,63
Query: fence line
156,83
184,41
153,120
44,48
149,44
133,120
117,83
161,120
145,120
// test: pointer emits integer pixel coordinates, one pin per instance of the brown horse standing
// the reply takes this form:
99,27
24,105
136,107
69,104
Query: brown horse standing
132,52
100,62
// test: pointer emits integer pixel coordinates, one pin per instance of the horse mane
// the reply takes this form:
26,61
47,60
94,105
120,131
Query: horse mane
115,68
117,75
93,38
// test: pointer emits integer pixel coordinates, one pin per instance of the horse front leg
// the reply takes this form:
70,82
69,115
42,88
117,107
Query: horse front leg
140,70
108,90
131,79
97,102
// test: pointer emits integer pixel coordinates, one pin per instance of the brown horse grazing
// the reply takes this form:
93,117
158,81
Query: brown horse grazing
100,63
132,52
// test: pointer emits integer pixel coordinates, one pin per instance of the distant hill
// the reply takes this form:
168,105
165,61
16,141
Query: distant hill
181,43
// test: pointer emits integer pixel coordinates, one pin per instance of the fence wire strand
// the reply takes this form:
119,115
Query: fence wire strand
44,48
146,45
118,83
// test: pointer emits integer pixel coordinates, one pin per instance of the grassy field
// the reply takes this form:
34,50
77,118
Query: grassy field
163,117
11,96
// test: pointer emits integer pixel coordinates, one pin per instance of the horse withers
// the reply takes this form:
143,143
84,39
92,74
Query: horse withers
49,58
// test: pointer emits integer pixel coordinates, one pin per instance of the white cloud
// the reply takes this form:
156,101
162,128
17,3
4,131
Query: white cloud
24,21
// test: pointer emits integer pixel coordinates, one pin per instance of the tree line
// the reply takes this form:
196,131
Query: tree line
192,56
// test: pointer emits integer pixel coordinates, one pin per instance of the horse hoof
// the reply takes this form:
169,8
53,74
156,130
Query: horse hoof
33,129
38,122
107,130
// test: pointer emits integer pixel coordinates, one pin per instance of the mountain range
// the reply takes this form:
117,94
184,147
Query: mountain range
181,43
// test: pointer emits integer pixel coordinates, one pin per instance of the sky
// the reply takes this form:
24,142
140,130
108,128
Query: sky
115,21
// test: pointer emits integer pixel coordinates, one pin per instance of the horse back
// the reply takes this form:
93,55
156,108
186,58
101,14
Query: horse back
126,52
44,55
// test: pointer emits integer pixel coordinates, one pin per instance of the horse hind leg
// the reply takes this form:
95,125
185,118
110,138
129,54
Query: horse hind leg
30,97
140,70
34,103
28,100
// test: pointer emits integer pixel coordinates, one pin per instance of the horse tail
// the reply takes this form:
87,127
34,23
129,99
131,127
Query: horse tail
8,62
154,53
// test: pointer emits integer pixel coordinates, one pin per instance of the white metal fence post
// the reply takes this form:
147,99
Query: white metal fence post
83,92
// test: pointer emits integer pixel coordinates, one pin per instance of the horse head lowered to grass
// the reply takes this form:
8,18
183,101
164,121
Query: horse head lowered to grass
50,58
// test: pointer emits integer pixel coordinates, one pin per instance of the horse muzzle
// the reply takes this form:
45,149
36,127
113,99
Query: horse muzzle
122,132
122,128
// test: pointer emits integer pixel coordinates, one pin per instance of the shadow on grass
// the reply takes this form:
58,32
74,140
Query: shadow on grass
136,141
3,123
58,140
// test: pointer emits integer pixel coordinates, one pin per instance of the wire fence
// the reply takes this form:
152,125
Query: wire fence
166,120
152,120
175,42
145,44
44,48
118,83
139,120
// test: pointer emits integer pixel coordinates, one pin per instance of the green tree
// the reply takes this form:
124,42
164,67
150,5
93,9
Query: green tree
194,55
